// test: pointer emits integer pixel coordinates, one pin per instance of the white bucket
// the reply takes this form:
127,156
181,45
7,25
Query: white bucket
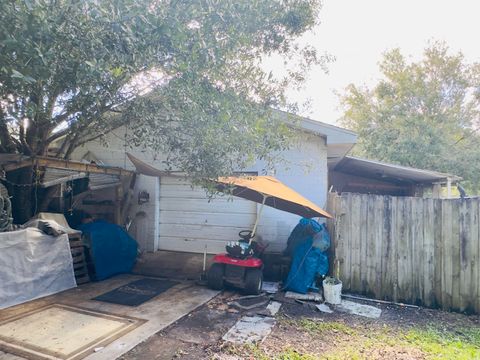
332,292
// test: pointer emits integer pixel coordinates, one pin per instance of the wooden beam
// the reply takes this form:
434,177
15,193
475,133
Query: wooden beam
55,163
127,199
118,205
64,179
375,186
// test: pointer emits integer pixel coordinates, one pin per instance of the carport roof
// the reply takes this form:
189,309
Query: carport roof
391,172
57,171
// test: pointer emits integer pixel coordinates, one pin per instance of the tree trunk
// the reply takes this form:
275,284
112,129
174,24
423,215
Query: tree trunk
23,194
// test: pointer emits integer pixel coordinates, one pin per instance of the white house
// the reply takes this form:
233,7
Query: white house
179,218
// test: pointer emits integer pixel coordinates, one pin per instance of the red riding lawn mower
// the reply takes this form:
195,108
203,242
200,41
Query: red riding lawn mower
241,265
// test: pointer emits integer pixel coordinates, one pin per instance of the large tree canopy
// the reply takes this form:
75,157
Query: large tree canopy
422,114
185,75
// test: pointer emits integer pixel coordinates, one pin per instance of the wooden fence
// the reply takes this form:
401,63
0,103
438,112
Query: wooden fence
412,250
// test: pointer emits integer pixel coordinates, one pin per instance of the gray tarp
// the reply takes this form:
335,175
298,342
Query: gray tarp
33,265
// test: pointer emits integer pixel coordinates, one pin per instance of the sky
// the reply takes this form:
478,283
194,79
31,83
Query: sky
357,33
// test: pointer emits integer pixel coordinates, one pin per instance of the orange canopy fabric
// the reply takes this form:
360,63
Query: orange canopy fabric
278,195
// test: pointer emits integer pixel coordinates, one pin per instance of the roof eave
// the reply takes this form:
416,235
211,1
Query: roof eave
434,176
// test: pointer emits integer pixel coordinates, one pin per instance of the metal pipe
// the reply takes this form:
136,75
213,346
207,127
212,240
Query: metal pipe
258,217
205,258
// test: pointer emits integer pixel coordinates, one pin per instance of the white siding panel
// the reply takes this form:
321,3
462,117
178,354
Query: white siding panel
204,206
189,221
204,218
304,170
191,245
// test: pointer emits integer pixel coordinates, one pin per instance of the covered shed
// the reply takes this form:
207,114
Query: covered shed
357,175
65,186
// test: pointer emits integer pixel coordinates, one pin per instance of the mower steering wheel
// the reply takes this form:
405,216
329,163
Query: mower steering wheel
246,234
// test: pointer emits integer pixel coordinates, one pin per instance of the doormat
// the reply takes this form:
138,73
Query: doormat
62,332
137,292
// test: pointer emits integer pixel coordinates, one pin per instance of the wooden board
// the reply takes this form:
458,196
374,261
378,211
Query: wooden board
427,273
77,250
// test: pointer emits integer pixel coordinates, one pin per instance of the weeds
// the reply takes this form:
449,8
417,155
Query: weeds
321,327
287,354
291,354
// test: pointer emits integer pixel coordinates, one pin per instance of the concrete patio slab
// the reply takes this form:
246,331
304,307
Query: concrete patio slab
354,308
250,330
157,313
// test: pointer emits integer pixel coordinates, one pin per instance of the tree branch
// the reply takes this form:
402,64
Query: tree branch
7,142
57,135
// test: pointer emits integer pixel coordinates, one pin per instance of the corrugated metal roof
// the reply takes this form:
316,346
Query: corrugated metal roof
53,176
58,176
100,181
384,171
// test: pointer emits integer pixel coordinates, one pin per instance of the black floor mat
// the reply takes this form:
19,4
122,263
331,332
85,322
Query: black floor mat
137,292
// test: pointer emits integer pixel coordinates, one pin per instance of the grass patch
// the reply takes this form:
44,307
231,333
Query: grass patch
288,354
434,343
320,327
461,344
359,343
291,354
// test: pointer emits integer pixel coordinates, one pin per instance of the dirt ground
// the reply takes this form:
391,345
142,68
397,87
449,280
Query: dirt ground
302,332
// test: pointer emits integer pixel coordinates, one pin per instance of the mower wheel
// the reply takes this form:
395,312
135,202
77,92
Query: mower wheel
215,276
253,281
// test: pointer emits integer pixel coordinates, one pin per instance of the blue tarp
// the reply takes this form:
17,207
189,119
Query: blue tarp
113,251
309,259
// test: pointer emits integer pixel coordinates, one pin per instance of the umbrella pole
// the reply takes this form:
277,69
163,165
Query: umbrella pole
258,218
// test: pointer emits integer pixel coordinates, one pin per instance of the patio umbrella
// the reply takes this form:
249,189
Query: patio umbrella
267,190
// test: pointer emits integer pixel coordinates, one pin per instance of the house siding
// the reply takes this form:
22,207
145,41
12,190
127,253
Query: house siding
303,168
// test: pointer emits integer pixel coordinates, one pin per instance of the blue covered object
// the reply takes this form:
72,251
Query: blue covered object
309,258
113,251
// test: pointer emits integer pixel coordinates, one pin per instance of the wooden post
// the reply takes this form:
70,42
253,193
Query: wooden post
118,203
437,190
449,188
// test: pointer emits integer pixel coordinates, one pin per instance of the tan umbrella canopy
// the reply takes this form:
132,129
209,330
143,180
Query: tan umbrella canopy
271,192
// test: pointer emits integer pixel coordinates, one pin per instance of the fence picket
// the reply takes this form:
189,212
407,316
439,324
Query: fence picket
438,251
368,282
379,239
428,270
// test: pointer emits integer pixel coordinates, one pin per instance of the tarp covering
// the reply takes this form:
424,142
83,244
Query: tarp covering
309,259
33,265
113,251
